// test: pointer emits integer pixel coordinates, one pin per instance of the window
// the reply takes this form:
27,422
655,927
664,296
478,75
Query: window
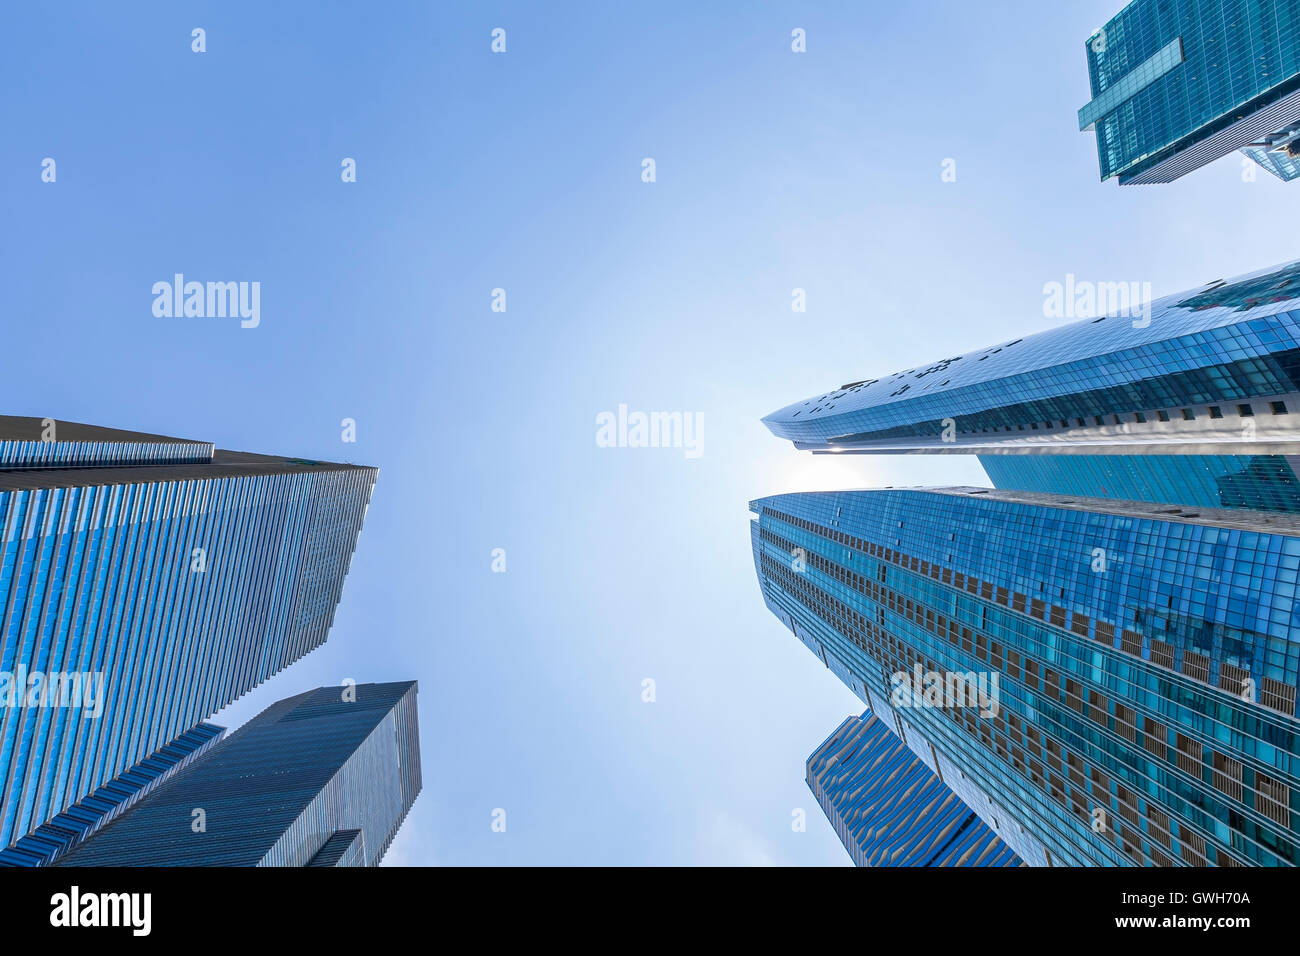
1162,654
1233,679
1126,722
1073,695
1052,683
1128,805
1157,738
1104,632
1100,786
1188,416
1130,842
1189,755
1196,666
1245,411
1273,799
1158,826
1216,411
1098,707
1193,847
1163,416
1227,776
1277,695
1279,408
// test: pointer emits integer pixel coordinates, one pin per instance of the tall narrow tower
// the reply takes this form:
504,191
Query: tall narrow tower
145,583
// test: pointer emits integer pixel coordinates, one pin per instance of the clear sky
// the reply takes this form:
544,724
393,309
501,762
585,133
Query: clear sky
522,171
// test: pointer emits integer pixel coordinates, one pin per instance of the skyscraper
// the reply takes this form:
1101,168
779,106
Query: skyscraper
1211,371
53,838
321,779
1122,605
1176,84
145,583
1196,403
1132,662
890,809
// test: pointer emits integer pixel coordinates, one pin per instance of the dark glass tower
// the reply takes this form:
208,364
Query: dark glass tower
315,780
1177,84
149,581
1127,591
890,809
65,830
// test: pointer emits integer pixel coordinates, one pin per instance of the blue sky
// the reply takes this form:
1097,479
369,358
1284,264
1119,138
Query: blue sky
522,171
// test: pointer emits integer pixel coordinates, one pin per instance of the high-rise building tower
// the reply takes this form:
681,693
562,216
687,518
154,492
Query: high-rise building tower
890,809
1104,682
1122,605
145,583
1192,400
321,779
1176,84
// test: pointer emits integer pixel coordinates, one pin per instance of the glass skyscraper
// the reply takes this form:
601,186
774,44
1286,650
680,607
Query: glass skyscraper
146,582
1177,84
890,809
65,830
321,779
1124,599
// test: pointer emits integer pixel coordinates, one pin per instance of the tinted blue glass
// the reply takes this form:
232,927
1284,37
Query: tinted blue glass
318,779
889,809
178,586
1147,662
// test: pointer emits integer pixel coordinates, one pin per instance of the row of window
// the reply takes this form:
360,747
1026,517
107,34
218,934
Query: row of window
1244,410
1272,693
1097,706
1046,768
827,607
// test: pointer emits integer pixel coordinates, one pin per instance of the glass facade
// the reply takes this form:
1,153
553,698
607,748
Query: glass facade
65,830
890,809
1192,372
1179,83
1145,657
321,779
170,588
1261,482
